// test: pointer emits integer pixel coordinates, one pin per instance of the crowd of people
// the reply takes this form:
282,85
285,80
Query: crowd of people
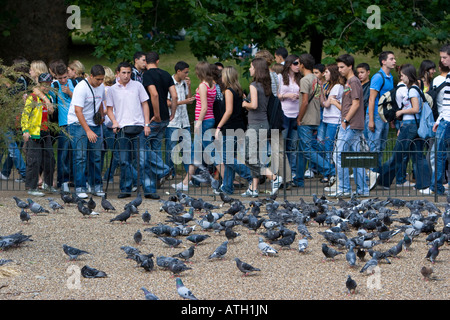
138,110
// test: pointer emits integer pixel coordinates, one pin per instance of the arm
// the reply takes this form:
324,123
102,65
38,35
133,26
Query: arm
146,110
174,103
253,104
92,137
415,108
203,92
371,109
228,111
25,120
351,112
303,108
154,96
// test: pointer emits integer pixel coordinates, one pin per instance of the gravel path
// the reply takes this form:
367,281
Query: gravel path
41,271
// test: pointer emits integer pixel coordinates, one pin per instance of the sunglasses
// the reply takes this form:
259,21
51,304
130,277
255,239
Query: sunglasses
295,63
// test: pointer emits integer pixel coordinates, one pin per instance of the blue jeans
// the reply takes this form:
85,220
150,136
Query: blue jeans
377,139
129,146
309,147
14,158
204,140
109,136
86,155
407,143
154,140
443,147
64,161
232,165
290,135
327,143
350,140
170,144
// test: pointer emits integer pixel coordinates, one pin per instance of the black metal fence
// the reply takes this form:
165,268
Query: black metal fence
405,168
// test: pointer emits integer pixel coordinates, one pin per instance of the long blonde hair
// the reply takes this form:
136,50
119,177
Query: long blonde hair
230,79
39,67
109,76
77,67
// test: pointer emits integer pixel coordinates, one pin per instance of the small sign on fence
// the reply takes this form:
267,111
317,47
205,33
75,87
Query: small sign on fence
359,159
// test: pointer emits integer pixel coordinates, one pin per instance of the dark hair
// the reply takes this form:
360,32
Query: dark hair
181,65
262,75
308,61
204,72
217,75
383,56
320,67
138,55
97,70
60,69
364,66
445,48
219,64
410,72
287,65
282,52
21,65
425,66
335,76
152,57
346,59
124,64
443,68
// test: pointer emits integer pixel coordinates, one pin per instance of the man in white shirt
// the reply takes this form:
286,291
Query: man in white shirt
127,107
87,98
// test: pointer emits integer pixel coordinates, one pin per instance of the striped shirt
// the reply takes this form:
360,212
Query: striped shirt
211,96
445,113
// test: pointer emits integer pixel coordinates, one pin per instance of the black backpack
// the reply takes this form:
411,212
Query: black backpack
275,113
433,92
387,104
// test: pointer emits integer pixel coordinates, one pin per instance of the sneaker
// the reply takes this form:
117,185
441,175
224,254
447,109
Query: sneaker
340,194
180,186
88,188
333,188
99,193
2,177
65,187
308,174
48,188
36,193
426,191
133,189
21,179
373,176
250,193
82,195
331,181
406,184
359,195
276,184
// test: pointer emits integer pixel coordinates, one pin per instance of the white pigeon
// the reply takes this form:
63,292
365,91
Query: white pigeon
302,245
266,249
184,292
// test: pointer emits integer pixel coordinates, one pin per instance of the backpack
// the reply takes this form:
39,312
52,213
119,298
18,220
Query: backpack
433,93
275,113
387,104
426,122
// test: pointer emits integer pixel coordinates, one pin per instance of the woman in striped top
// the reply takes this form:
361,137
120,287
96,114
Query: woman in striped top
204,120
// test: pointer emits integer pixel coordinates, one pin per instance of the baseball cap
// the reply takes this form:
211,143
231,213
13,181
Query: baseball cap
45,77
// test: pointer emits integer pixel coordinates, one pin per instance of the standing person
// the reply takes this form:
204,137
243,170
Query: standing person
158,83
363,74
377,130
128,110
280,55
63,97
308,121
181,119
442,129
37,136
427,70
37,67
87,99
204,120
139,66
258,127
350,130
76,70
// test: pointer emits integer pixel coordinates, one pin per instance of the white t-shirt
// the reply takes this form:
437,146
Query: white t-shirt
440,97
411,93
332,114
82,97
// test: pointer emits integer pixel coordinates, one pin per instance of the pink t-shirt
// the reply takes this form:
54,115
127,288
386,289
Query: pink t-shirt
211,96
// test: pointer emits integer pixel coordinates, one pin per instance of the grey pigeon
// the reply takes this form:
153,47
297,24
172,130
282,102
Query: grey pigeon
148,295
350,256
177,266
91,204
370,265
55,206
265,248
130,251
146,217
122,217
329,252
302,245
20,203
186,254
220,251
146,262
135,202
36,207
286,241
197,238
137,237
351,285
184,292
432,253
72,252
164,262
89,272
231,234
225,198
67,198
106,205
171,242
24,216
4,261
407,241
84,210
303,230
244,267
395,250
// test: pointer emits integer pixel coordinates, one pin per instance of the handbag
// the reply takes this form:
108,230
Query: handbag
98,118
132,130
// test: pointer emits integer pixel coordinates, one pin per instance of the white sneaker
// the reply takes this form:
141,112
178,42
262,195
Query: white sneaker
99,193
308,174
250,193
180,186
373,176
333,188
426,191
65,187
340,194
2,177
276,184
88,188
82,195
36,193
406,184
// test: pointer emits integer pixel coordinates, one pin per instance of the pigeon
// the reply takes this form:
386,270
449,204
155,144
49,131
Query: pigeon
146,261
220,251
197,238
72,252
85,211
266,249
303,230
89,272
406,242
351,285
148,295
106,205
350,256
226,198
184,292
67,198
244,267
146,217
176,267
286,241
36,207
395,250
171,242
21,204
24,216
380,255
135,202
55,206
387,235
13,240
329,252
91,203
230,234
122,217
426,272
432,253
137,237
130,251
302,244
186,254
370,265
4,261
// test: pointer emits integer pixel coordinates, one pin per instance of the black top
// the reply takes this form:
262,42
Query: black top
162,80
236,120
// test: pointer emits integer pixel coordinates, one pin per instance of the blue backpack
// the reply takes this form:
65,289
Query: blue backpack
426,122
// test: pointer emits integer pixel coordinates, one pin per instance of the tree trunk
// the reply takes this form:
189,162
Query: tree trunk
316,46
37,29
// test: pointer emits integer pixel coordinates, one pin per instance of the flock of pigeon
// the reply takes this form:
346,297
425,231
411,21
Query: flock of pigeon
279,224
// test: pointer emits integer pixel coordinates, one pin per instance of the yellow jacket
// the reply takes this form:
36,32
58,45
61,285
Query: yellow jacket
32,116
